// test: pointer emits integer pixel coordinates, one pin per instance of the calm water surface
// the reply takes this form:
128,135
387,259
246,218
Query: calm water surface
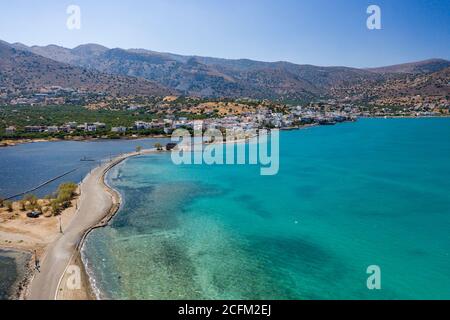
28,165
375,192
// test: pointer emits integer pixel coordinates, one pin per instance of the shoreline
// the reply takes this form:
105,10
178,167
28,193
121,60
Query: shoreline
89,290
92,291
5,143
94,212
17,289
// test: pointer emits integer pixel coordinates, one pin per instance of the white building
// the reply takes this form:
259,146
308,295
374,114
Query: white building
71,125
88,127
100,125
141,125
10,130
52,129
119,129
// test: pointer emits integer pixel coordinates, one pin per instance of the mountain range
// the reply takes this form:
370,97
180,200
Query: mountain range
139,71
23,71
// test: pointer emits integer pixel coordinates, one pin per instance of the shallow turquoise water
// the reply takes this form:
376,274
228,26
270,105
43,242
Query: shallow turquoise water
375,192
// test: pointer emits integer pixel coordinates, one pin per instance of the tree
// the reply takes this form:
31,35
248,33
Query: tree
8,204
67,188
31,198
39,208
158,146
56,207
64,198
22,204
138,149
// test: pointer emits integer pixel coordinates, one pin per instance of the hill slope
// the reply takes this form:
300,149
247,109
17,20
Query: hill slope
420,67
210,77
214,77
25,71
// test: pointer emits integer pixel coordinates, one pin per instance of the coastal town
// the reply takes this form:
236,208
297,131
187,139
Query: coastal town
153,116
247,121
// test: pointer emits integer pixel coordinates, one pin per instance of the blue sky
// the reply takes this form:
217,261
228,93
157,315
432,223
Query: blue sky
319,32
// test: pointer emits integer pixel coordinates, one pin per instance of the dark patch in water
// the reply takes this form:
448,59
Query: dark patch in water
252,204
299,252
277,254
307,191
174,257
418,252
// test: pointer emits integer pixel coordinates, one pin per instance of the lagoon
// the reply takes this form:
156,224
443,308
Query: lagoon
25,166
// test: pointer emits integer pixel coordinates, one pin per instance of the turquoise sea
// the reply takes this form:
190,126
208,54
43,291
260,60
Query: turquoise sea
374,192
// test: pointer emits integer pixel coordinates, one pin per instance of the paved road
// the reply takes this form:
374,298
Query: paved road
95,203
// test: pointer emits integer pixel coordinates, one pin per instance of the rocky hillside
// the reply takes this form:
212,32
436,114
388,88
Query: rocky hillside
210,77
411,89
421,67
213,77
24,71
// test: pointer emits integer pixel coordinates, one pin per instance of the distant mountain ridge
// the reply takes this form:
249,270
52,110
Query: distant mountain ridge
22,70
216,77
207,77
420,67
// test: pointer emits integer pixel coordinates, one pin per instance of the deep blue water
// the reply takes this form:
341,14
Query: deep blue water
375,192
28,165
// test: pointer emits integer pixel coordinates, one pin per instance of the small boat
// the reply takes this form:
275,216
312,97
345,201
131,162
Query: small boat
86,159
327,122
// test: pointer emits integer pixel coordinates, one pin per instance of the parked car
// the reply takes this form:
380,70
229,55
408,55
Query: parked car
34,214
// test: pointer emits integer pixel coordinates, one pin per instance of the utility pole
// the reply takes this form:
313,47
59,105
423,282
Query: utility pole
60,226
36,261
